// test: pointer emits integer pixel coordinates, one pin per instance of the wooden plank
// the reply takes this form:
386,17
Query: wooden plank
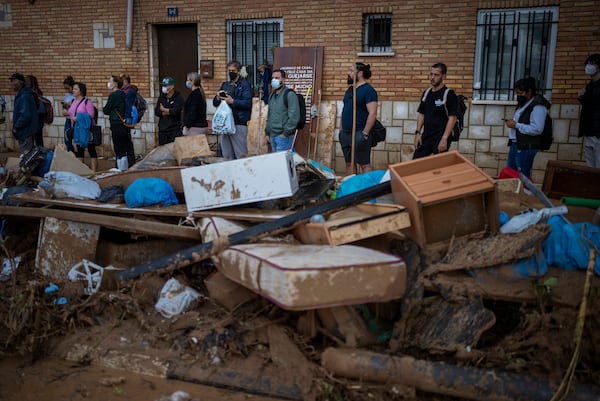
170,174
62,244
246,214
130,225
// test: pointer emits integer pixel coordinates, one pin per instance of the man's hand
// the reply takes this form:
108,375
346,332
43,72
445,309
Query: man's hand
443,145
418,140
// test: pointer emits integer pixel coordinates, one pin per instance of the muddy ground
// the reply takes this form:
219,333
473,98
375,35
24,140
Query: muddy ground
114,345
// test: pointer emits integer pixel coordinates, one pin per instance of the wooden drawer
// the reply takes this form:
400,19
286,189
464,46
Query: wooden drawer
446,195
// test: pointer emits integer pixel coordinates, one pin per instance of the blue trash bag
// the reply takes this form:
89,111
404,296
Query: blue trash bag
568,245
360,182
150,191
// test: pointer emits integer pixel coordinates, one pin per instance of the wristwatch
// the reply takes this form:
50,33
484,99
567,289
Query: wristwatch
417,132
365,134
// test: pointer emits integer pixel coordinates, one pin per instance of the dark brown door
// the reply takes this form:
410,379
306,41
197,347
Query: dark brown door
177,53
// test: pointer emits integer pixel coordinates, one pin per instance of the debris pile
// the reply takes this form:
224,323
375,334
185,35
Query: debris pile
282,285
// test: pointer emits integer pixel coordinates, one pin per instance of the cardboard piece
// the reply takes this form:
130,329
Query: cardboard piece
66,161
227,293
191,146
354,223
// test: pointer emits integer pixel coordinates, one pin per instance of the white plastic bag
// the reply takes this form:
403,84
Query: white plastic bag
175,298
222,122
64,184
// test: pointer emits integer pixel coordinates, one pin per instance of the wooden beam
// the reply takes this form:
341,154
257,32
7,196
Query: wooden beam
130,225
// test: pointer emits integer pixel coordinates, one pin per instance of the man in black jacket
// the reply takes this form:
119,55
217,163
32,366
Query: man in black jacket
168,108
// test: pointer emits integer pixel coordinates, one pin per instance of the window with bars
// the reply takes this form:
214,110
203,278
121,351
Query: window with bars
377,33
5,15
251,42
514,44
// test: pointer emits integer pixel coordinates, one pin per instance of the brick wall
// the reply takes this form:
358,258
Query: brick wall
52,39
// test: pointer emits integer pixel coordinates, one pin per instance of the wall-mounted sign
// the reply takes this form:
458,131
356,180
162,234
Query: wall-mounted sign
172,12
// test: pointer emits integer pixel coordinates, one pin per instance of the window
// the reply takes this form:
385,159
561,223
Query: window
377,33
5,15
251,42
513,44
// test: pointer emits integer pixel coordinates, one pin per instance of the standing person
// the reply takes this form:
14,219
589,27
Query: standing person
526,126
32,82
68,98
264,81
237,93
366,114
25,115
281,120
589,120
435,119
115,109
83,105
168,108
130,91
194,109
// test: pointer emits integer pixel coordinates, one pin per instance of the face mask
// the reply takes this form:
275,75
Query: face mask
521,100
188,85
275,83
232,76
591,69
109,85
164,90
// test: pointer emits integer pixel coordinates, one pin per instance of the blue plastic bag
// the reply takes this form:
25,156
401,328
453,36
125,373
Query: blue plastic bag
150,191
360,182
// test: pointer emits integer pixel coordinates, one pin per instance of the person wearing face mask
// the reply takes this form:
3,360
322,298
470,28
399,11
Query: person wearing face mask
281,120
168,108
589,119
115,108
526,126
194,109
237,93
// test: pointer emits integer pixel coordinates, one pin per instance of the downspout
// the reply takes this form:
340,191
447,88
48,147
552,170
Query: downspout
129,24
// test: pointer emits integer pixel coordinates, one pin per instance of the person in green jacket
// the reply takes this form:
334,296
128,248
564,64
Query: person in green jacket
121,135
281,119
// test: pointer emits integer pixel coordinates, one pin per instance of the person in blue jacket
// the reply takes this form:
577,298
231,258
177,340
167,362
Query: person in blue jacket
237,93
25,117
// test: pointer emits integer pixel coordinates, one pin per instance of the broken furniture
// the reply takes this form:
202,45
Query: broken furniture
446,196
241,181
354,223
570,179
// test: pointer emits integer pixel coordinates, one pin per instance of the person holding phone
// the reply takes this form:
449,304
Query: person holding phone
237,93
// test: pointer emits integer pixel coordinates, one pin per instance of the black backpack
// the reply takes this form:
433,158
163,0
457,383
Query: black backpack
301,104
461,109
140,104
45,110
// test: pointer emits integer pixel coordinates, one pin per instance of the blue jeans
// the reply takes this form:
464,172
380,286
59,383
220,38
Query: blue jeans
280,143
521,160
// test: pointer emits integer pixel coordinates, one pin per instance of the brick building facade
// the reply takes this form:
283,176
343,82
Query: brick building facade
52,39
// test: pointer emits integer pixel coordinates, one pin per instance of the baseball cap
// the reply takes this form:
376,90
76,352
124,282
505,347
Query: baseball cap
167,81
17,76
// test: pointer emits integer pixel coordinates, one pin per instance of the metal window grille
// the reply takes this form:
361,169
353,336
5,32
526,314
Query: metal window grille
514,44
251,42
378,33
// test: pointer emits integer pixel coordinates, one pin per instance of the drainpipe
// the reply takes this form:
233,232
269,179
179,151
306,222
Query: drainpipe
129,24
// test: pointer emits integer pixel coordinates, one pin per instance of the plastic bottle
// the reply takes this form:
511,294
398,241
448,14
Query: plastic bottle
317,218
528,217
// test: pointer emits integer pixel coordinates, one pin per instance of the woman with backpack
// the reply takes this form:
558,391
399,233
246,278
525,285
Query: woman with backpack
32,82
81,108
526,126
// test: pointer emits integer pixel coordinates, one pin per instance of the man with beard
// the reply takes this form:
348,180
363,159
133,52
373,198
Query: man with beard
366,114
436,118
